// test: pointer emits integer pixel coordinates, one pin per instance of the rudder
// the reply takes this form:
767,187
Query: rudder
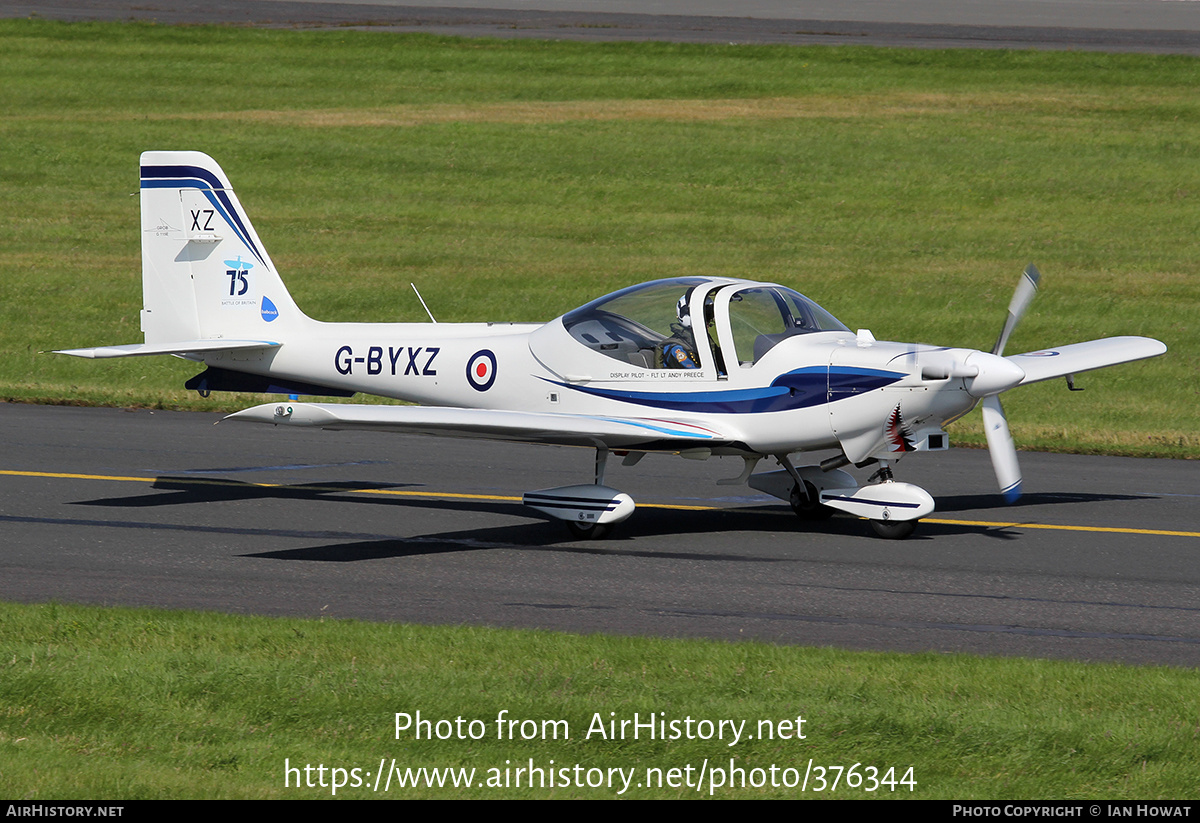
205,273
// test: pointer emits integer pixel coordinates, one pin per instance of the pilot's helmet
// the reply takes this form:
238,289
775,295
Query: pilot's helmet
683,309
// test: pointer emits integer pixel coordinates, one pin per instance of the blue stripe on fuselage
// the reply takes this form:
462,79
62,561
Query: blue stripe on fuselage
797,389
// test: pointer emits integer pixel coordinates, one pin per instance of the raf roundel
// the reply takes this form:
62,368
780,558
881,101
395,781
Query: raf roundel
481,370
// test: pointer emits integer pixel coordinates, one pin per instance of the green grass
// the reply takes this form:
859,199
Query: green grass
904,190
128,704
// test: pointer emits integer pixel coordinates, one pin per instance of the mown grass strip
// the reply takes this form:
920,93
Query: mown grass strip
134,703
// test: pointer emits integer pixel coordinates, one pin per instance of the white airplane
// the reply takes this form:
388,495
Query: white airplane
694,366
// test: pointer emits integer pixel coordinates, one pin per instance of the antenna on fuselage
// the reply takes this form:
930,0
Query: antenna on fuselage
422,299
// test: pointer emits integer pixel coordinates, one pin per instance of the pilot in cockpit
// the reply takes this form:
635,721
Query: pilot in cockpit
679,350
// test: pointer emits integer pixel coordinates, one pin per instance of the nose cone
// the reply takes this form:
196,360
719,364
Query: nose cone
996,374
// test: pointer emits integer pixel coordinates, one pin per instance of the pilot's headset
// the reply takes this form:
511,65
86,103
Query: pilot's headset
683,309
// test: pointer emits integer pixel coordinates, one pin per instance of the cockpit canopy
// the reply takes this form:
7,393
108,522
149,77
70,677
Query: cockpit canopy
635,325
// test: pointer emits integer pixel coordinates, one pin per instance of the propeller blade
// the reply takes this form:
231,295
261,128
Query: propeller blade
1002,449
1026,290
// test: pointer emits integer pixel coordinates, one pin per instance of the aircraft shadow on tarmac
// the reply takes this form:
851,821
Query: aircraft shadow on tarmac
650,522
993,503
186,490
633,538
538,536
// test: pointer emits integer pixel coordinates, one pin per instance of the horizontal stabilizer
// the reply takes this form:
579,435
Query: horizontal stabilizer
217,379
1080,357
180,347
522,427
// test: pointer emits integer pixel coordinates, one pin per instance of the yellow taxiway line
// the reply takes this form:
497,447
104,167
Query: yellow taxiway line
1010,524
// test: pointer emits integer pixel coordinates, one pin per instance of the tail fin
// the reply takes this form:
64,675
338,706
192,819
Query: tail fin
205,273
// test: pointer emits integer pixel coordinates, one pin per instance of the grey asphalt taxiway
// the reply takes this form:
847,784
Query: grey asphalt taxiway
1098,561
1162,26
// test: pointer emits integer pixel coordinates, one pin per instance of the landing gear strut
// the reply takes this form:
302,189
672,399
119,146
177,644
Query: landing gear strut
806,506
590,530
589,510
890,529
805,499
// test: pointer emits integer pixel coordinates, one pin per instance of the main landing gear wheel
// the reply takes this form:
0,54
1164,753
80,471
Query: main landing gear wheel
894,529
809,509
588,531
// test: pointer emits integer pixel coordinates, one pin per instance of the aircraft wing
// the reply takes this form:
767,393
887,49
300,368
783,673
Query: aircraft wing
1080,357
180,347
636,434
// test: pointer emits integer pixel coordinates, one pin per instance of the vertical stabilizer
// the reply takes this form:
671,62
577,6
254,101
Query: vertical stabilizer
205,274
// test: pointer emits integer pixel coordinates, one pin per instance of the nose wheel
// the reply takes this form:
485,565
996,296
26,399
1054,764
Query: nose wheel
893,529
588,531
